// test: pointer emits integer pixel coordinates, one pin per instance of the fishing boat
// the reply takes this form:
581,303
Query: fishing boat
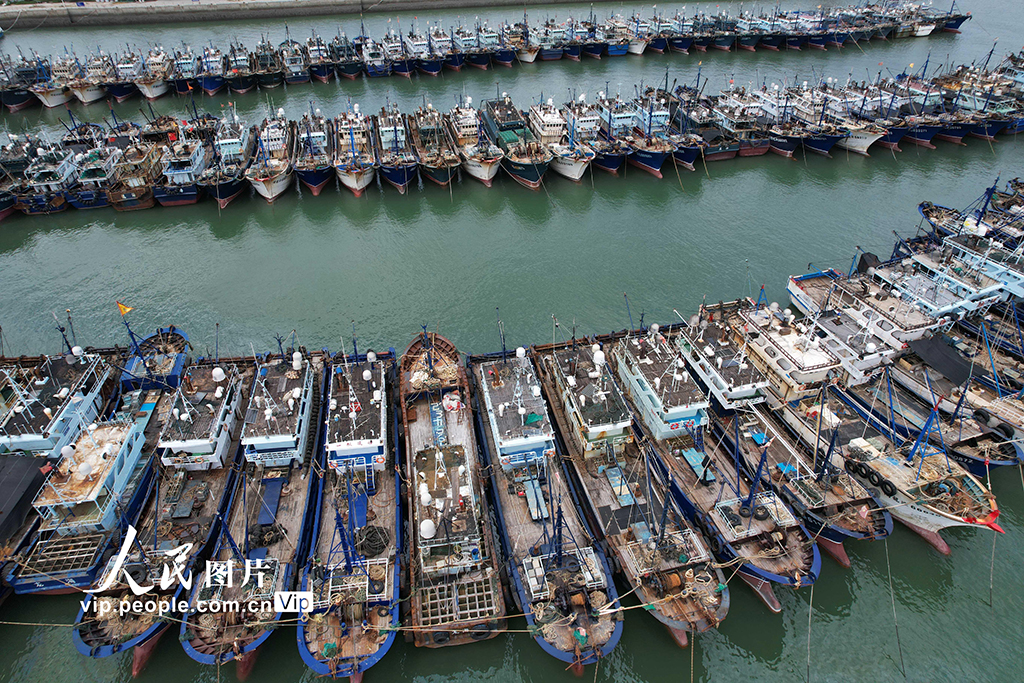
418,46
442,46
401,62
438,159
157,70
135,174
50,175
91,496
454,564
272,171
95,174
15,158
295,62
375,61
354,569
241,69
269,67
355,160
396,157
262,542
51,400
321,63
128,69
560,576
186,70
488,47
703,475
569,156
347,62
834,506
184,162
526,160
584,120
15,81
196,432
212,71
314,151
233,150
99,70
649,140
480,157
643,535
54,91
467,42
916,481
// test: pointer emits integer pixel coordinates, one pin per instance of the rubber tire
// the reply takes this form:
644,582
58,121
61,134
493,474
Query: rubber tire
850,466
982,416
441,637
761,513
1005,430
716,545
745,511
888,488
376,585
874,477
480,632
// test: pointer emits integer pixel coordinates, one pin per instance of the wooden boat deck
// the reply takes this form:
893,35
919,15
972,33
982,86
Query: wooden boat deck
677,577
775,544
456,586
562,598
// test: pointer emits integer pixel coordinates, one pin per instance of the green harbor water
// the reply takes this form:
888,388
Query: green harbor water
392,263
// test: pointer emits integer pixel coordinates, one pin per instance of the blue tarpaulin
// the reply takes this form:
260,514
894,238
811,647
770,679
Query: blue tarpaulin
271,499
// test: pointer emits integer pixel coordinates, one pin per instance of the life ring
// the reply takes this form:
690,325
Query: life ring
760,513
379,459
888,488
441,637
874,477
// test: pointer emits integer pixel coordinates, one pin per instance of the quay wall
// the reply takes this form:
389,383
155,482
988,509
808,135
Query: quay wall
57,14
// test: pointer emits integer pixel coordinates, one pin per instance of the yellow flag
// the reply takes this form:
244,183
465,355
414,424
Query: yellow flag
124,309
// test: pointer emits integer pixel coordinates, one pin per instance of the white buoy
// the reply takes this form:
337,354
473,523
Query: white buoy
522,410
218,374
297,361
219,393
371,356
427,528
426,499
77,351
48,413
296,392
367,375
599,358
535,390
67,451
520,352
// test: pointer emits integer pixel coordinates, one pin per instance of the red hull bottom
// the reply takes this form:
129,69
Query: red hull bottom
754,151
748,48
679,636
836,551
7,212
953,139
142,653
919,143
244,666
933,538
316,189
890,145
764,591
720,156
653,171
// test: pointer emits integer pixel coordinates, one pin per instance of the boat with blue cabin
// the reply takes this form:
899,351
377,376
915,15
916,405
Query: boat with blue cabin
355,564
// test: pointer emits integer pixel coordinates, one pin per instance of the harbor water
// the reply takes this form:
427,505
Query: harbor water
386,264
